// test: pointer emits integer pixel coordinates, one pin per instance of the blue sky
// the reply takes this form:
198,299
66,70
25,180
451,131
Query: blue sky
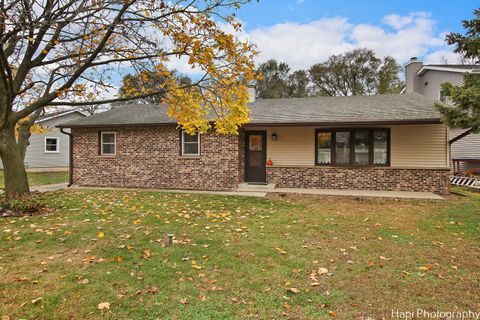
304,32
447,13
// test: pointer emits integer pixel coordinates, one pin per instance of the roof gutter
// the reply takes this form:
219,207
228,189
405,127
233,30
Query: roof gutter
70,155
345,123
323,123
117,125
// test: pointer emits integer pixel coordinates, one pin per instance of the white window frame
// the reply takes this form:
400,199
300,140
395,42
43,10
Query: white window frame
440,96
183,146
102,143
446,98
58,145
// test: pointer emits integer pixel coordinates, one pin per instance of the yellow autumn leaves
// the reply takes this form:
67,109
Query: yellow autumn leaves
221,100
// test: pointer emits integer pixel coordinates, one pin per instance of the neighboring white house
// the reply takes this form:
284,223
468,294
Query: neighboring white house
427,79
51,150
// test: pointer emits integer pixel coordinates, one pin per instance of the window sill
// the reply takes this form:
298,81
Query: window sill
358,167
189,157
105,156
351,167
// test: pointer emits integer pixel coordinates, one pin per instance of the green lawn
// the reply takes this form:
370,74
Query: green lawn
238,258
41,178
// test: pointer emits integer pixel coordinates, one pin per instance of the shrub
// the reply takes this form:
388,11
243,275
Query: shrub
24,205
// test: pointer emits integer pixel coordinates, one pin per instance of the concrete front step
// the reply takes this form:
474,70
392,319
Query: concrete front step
245,186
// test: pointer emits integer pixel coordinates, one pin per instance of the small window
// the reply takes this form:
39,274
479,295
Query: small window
380,147
108,144
190,144
324,147
342,147
51,145
362,147
443,97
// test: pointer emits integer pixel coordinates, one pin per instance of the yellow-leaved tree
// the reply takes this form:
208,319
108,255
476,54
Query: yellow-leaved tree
57,53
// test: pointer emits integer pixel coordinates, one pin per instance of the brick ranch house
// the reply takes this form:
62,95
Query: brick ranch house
383,142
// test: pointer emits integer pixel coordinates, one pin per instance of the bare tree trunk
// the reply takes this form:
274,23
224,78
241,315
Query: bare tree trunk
16,182
24,132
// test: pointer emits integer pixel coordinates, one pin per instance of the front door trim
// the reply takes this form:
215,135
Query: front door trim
256,174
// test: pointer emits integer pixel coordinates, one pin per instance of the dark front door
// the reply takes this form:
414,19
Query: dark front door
255,156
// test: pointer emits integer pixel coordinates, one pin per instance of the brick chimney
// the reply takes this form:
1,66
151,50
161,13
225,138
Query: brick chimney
412,80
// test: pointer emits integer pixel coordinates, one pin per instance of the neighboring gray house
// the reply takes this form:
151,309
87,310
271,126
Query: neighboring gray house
427,79
51,150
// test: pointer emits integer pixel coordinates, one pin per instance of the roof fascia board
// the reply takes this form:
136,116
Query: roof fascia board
271,124
426,68
61,115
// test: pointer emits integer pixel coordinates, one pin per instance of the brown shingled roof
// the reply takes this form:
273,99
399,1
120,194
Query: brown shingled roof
393,108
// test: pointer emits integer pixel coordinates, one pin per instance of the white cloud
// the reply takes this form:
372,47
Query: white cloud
442,56
301,45
398,22
304,44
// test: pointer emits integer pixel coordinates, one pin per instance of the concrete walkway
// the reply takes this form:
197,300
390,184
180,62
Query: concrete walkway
254,193
363,193
49,187
262,192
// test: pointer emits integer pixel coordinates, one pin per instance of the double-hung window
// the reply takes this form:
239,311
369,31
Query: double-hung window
108,143
51,145
352,147
190,144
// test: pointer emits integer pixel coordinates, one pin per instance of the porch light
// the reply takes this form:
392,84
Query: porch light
274,137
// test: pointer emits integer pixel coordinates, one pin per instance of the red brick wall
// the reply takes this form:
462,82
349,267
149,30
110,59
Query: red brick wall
150,158
387,179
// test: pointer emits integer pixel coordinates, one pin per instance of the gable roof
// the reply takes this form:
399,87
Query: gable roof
59,114
391,108
460,68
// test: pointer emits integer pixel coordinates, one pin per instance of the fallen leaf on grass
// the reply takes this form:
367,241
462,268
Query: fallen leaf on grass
84,281
103,306
195,265
100,235
152,290
184,301
281,250
426,267
146,254
293,290
35,301
322,271
332,314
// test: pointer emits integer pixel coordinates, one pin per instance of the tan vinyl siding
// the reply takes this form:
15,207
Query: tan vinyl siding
412,146
294,146
420,146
